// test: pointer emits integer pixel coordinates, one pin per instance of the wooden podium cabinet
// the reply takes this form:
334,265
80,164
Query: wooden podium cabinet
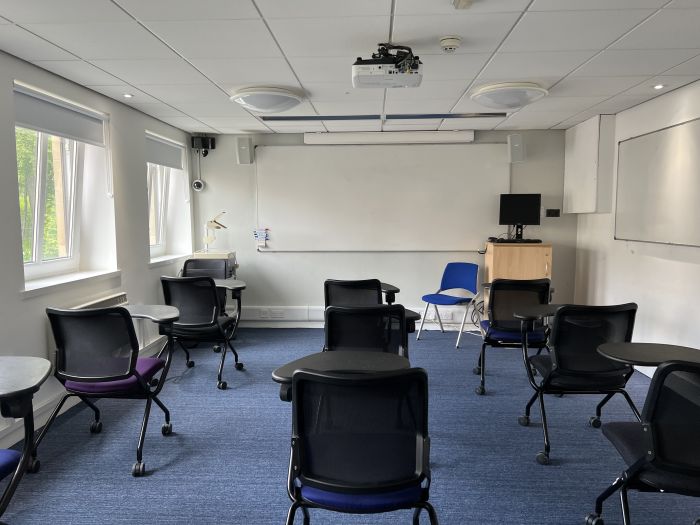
517,261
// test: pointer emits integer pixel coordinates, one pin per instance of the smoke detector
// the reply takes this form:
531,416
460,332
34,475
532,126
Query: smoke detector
450,43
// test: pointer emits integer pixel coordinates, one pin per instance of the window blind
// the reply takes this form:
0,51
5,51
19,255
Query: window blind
42,112
163,152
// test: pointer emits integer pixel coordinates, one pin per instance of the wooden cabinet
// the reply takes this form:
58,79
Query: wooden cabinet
517,261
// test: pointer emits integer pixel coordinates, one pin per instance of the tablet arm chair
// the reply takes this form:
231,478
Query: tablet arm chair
457,275
362,292
214,268
97,357
368,328
360,443
574,365
661,451
200,318
501,329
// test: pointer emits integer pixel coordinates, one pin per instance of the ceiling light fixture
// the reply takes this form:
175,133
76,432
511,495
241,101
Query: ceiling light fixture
266,99
508,95
659,86
128,95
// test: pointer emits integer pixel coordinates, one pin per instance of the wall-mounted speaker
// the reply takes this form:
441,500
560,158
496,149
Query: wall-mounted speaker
516,148
244,150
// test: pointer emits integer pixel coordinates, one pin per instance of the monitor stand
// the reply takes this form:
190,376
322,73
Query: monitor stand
518,232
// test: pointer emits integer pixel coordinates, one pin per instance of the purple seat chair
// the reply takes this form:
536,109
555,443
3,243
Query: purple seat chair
97,357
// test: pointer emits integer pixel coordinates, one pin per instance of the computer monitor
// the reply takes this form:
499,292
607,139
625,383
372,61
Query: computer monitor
520,209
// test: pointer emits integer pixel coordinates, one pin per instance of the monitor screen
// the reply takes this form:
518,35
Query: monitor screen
520,208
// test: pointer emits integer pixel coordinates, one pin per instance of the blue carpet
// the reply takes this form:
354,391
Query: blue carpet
226,461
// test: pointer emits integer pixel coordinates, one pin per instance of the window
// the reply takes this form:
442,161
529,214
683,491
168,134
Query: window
56,141
157,180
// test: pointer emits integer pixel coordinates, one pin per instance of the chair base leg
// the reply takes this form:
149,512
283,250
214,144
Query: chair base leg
461,328
437,314
292,511
139,468
422,320
543,457
429,509
481,389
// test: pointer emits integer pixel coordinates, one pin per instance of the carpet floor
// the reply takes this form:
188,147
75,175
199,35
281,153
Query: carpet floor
226,461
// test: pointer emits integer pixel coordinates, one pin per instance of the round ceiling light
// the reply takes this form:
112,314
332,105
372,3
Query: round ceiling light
509,95
266,99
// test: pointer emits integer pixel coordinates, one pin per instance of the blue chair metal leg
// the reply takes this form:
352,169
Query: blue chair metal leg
437,314
461,328
422,320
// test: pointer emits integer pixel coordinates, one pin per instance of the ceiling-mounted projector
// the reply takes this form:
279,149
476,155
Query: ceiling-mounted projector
388,70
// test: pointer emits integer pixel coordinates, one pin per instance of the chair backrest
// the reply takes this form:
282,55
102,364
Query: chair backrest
94,345
672,413
360,431
364,292
460,275
195,297
577,331
379,328
214,268
506,295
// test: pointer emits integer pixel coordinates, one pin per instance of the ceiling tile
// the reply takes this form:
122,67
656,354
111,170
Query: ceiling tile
518,66
350,125
155,71
340,91
453,67
689,67
323,8
322,69
103,40
235,125
571,30
534,120
65,11
445,89
346,37
179,94
354,107
479,32
425,126
594,86
213,107
618,62
4,21
218,38
25,45
562,104
78,71
467,105
454,124
188,124
173,10
303,109
578,5
116,91
156,109
240,71
410,107
620,103
668,81
569,123
440,7
683,4
668,29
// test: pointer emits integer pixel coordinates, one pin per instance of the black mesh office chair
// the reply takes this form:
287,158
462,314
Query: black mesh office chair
214,268
381,328
97,357
364,292
502,330
360,443
661,451
574,365
200,318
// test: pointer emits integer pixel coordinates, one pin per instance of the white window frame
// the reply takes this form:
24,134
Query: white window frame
159,249
38,268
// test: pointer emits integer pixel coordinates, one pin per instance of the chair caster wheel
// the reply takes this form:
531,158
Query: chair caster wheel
189,364
542,458
594,519
476,370
534,372
480,390
239,366
216,349
696,522
33,466
524,421
222,385
153,382
166,429
96,427
139,469
594,421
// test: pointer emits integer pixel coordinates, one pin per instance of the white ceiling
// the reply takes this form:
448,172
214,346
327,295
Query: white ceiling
180,59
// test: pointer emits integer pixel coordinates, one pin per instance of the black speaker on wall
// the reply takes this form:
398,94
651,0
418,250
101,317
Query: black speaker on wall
203,143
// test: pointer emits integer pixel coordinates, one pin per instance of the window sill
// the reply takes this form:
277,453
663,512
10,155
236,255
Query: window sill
164,260
50,284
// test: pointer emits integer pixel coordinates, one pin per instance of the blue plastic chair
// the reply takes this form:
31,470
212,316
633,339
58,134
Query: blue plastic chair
457,275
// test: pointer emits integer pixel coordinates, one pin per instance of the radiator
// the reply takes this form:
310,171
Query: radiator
146,331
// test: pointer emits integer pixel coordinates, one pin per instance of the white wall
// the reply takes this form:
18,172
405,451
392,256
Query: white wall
664,280
295,279
23,323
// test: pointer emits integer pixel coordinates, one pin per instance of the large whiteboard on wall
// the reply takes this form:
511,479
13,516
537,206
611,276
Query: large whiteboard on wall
436,197
658,186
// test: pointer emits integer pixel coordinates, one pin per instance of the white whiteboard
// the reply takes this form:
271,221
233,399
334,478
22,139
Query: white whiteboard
436,197
658,186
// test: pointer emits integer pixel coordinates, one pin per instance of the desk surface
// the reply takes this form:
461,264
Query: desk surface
158,313
648,354
22,375
536,311
230,284
342,361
